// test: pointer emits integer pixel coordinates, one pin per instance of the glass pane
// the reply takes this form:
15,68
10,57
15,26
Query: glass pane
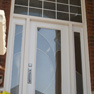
35,12
51,0
61,7
20,10
49,14
22,2
76,10
78,63
48,5
48,62
16,60
51,9
75,18
36,3
63,1
75,2
62,16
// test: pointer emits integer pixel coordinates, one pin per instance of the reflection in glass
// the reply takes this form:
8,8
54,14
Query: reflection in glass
75,2
55,9
48,5
61,7
63,1
20,10
75,9
36,3
75,18
35,12
51,0
21,2
48,62
78,63
63,16
49,14
16,60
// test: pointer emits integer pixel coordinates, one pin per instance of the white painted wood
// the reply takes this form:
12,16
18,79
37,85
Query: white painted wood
26,57
80,30
9,62
72,60
39,19
64,50
86,49
53,21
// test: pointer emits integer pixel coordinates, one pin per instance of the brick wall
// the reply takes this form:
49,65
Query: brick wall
90,28
5,5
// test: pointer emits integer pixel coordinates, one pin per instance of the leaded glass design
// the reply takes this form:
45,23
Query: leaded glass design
69,10
48,62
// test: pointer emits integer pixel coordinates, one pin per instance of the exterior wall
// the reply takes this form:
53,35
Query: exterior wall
5,5
90,30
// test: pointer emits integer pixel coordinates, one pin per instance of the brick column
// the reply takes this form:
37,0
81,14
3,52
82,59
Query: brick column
5,5
90,28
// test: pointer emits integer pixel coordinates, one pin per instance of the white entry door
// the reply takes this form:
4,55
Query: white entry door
47,59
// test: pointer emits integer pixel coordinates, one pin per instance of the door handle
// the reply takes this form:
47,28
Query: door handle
29,74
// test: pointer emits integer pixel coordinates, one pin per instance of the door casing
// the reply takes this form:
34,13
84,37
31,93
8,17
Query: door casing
70,54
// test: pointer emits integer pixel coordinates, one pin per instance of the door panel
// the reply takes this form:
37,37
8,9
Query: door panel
49,56
45,59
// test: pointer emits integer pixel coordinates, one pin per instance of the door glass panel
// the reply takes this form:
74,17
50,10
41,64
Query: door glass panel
16,60
48,62
78,63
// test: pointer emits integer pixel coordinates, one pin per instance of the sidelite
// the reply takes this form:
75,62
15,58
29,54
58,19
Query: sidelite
16,60
78,64
48,62
69,10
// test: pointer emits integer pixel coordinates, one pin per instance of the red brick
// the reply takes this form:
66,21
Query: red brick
5,5
90,28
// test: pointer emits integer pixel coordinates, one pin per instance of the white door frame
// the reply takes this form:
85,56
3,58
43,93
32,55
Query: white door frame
72,86
10,55
32,53
70,25
27,19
